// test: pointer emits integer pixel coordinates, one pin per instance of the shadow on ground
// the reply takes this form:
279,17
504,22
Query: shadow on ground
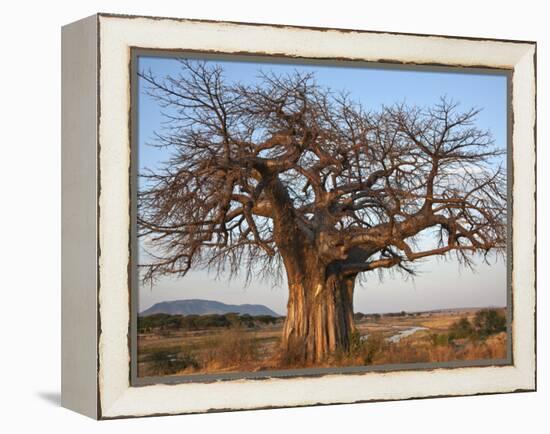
52,398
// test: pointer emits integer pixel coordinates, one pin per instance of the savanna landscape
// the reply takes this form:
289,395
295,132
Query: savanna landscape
282,174
224,343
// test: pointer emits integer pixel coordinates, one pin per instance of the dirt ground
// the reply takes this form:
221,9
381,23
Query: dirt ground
410,338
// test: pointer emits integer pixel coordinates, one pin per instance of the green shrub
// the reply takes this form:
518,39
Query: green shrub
162,321
439,339
165,362
461,329
488,322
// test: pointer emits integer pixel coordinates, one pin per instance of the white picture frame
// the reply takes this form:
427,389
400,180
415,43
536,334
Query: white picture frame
96,131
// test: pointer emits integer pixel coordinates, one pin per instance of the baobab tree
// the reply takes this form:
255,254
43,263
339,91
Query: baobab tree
287,174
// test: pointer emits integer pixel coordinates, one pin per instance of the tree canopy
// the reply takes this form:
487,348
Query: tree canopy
254,169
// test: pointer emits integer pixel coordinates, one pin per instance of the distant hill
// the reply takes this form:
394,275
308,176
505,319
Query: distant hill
206,307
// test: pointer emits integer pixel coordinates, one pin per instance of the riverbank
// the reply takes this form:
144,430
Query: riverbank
379,340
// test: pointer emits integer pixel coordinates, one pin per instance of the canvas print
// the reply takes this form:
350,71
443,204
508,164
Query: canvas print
295,217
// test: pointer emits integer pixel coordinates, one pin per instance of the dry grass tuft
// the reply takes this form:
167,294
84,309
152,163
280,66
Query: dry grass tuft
445,337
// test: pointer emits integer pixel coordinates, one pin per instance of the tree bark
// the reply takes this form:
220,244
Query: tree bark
319,317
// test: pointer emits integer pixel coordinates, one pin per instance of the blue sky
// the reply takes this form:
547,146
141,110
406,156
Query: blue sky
439,284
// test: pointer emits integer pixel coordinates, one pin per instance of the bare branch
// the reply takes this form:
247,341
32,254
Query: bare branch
284,169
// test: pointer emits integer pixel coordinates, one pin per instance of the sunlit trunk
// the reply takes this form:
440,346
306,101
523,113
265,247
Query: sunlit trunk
319,317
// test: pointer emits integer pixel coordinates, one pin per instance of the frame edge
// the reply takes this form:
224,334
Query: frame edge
114,411
79,217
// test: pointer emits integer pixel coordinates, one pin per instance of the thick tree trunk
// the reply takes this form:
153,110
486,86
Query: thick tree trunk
319,317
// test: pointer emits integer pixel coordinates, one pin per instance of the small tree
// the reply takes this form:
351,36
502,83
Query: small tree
287,173
461,329
488,322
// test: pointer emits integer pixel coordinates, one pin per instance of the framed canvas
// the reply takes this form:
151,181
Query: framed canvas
262,216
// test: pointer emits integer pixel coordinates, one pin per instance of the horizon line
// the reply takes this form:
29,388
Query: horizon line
355,312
